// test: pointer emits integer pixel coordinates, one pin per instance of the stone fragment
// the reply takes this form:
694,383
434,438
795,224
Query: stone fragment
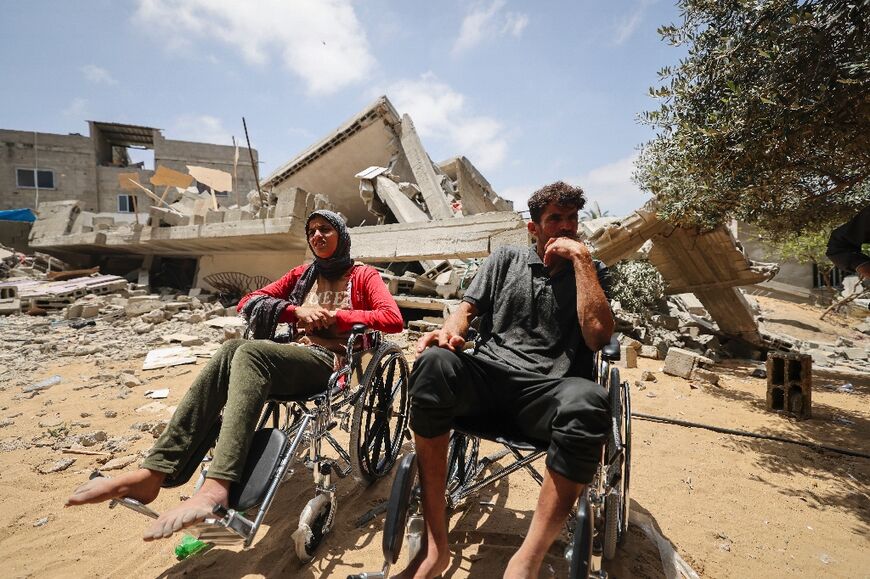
57,466
142,328
40,522
110,414
648,376
759,373
138,305
705,375
52,422
855,353
628,357
129,380
648,352
680,362
120,462
92,438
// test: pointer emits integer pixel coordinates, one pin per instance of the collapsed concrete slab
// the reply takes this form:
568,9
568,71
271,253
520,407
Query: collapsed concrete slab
472,189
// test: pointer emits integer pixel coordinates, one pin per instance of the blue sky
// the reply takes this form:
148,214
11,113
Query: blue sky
531,92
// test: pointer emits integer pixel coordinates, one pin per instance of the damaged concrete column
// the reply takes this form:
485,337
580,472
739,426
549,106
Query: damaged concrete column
424,172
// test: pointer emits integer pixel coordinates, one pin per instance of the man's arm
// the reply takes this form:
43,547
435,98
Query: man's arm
452,333
593,310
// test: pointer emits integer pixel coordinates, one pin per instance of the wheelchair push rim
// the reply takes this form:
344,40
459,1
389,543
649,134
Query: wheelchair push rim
380,416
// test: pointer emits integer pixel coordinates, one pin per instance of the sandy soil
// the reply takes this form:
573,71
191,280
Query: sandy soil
732,506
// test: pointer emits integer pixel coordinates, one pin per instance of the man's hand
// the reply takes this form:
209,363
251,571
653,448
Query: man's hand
310,318
565,247
441,338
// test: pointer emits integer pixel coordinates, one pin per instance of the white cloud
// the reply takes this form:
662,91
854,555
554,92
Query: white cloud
200,128
612,187
440,113
98,75
321,42
77,109
483,22
627,25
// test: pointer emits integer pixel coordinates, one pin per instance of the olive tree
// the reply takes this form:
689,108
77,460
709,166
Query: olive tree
767,117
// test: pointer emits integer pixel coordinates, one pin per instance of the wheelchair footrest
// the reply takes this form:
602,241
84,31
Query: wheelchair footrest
262,462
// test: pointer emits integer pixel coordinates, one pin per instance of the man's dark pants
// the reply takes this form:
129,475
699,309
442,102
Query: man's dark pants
571,415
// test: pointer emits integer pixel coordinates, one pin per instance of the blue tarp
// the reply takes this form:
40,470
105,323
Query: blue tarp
17,215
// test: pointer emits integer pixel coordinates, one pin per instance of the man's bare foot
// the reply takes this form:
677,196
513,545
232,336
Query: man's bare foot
428,563
142,485
192,511
521,567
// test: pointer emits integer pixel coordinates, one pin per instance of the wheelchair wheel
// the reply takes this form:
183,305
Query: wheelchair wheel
380,415
626,463
314,523
615,477
461,460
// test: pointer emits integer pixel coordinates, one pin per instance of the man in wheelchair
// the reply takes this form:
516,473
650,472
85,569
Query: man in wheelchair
542,312
321,302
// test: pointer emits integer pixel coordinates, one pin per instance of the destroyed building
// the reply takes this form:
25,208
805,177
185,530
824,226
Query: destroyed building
372,169
46,167
425,224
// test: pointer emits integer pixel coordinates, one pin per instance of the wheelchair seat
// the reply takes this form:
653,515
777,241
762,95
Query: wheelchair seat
503,434
262,464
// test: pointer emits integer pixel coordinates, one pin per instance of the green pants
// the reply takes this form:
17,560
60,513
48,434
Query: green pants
237,380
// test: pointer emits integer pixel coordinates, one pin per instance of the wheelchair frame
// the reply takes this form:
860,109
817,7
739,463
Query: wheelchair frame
311,420
596,526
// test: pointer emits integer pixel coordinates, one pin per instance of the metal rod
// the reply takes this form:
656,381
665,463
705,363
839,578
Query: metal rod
497,475
253,165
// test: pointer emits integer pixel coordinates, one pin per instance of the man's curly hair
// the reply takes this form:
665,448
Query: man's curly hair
559,193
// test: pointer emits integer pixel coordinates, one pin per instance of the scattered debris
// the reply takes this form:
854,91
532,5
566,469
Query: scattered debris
43,384
157,394
119,463
56,466
166,357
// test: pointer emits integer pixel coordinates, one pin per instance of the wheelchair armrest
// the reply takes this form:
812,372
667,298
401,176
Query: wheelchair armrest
358,328
611,352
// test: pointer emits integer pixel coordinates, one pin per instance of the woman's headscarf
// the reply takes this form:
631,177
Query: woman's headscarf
332,267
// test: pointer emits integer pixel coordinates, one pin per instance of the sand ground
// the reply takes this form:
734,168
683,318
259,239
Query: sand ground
732,506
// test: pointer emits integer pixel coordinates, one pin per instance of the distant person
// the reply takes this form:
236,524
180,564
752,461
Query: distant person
844,246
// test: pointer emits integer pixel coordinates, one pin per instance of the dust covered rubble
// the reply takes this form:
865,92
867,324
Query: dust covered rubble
688,327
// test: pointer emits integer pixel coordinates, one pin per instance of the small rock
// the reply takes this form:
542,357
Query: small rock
129,380
51,422
142,328
759,373
56,466
639,385
93,438
648,376
40,522
120,462
85,414
110,414
6,422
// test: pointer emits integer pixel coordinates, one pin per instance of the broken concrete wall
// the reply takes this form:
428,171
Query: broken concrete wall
269,264
69,157
473,190
177,155
15,234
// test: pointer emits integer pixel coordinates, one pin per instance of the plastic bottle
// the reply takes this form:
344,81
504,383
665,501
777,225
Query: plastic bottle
190,546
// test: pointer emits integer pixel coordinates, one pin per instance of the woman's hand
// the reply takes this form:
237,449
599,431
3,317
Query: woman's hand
311,318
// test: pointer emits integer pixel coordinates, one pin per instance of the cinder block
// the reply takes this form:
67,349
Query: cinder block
628,357
705,375
648,352
789,383
680,362
10,306
90,311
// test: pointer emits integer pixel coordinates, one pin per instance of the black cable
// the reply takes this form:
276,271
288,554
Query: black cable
814,446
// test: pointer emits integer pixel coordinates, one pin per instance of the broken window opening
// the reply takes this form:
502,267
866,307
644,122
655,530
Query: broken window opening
141,157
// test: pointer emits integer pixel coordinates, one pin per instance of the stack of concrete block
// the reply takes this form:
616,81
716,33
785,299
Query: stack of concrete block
790,383
10,303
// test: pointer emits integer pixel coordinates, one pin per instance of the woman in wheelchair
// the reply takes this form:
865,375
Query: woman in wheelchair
321,302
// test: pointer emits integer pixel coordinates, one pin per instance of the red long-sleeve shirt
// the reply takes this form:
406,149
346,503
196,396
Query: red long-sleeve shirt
372,303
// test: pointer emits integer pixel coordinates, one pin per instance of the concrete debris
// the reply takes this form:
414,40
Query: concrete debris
157,394
166,357
56,466
120,462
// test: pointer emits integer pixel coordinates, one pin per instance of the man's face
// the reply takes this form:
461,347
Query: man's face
556,221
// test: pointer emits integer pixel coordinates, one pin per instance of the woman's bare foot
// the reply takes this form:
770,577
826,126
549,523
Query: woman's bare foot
142,485
192,511
428,563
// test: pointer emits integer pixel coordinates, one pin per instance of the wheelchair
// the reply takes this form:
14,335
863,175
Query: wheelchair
368,398
597,525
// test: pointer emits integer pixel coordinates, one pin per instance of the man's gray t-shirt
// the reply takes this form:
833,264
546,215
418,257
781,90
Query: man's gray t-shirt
528,320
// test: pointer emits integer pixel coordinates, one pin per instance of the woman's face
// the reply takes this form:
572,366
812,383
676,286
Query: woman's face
322,237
